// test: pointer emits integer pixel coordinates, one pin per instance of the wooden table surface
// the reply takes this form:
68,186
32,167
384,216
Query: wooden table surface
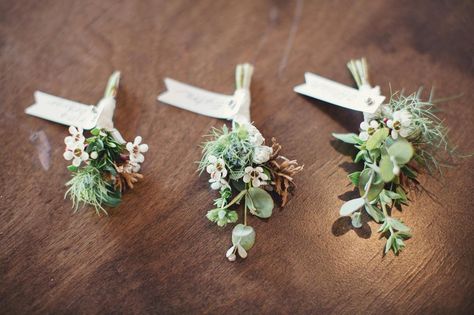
157,253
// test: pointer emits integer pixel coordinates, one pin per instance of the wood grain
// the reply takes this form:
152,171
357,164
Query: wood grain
157,253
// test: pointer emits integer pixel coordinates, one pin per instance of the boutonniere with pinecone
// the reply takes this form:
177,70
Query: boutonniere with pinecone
247,173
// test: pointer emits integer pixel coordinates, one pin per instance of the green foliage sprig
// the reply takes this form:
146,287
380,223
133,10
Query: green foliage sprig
402,137
242,169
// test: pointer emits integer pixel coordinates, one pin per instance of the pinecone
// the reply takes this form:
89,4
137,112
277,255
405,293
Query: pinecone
283,170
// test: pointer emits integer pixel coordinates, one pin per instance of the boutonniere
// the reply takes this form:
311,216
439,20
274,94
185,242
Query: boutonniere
397,140
103,165
243,169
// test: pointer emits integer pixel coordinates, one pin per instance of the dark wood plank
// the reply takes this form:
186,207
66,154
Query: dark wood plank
157,252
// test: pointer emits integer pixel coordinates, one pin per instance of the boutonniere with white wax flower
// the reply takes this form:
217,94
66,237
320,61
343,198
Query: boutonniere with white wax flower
103,165
397,140
242,168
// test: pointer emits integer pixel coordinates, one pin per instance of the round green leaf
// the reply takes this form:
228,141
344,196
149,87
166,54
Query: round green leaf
386,169
376,139
351,206
245,235
376,186
261,201
402,150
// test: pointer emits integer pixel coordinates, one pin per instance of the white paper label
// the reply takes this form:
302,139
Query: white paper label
367,101
64,111
198,100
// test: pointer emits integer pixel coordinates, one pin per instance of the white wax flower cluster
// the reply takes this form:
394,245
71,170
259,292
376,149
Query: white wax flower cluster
75,147
136,150
399,123
76,150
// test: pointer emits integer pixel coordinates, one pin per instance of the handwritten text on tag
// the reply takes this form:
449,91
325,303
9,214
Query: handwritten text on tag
367,101
198,100
63,111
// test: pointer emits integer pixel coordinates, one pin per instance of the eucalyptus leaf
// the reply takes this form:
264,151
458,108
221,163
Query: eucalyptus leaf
376,139
243,234
262,202
249,204
354,177
351,206
376,186
402,151
360,155
386,169
350,138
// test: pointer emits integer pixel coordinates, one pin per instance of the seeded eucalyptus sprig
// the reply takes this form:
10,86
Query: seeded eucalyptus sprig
403,136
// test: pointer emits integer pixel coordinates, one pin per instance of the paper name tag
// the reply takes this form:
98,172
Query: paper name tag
198,100
64,111
367,101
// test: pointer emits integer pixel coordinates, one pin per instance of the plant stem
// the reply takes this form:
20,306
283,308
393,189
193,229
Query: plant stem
245,213
384,208
236,199
367,186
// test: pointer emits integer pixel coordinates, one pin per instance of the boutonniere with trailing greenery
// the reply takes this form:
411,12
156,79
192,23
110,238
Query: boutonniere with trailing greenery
103,165
403,138
244,171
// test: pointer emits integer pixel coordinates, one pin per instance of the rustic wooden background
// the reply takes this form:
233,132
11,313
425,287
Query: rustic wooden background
157,252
